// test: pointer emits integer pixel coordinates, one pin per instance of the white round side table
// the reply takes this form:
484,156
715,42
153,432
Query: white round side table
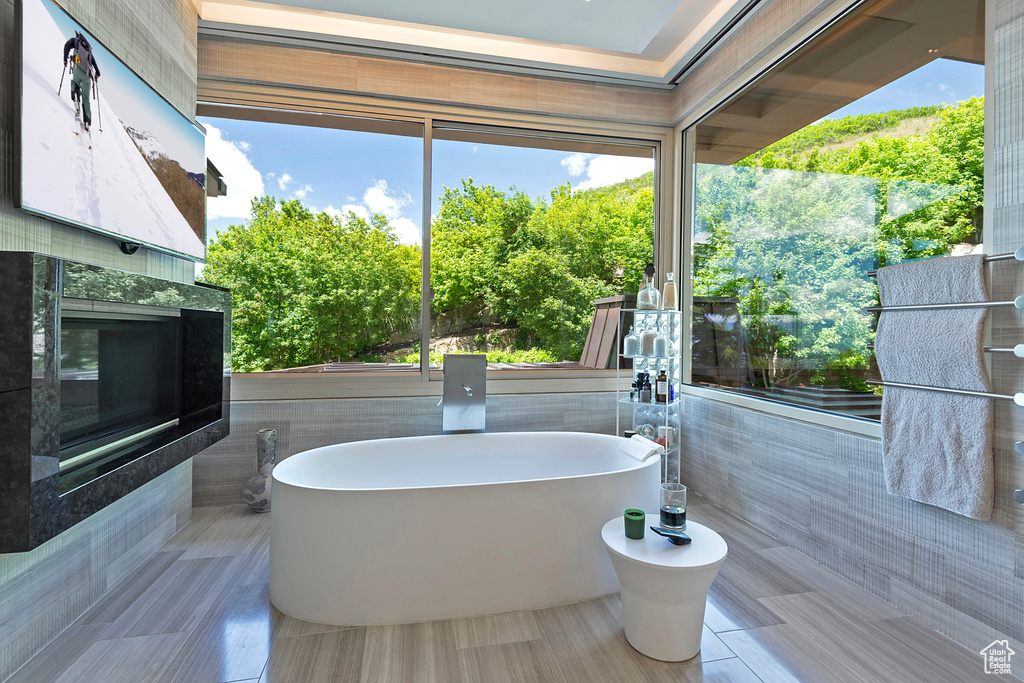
664,587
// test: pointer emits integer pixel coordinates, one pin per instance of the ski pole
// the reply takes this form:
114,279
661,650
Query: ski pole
62,72
99,111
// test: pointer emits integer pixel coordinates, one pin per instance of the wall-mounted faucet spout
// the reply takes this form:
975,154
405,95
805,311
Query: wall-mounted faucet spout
464,401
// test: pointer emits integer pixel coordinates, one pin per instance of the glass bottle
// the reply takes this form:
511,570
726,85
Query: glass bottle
669,295
650,334
631,345
648,298
661,387
645,390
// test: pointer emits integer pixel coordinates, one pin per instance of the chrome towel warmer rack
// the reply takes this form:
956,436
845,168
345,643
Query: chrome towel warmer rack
1018,350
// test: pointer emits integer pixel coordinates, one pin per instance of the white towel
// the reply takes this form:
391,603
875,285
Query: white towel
936,448
640,448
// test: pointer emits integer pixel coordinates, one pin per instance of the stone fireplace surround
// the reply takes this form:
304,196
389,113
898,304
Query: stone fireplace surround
32,507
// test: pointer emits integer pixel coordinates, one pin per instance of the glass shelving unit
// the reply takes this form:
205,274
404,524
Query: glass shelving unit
641,417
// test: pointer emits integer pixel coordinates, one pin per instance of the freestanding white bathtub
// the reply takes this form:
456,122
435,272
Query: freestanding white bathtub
435,527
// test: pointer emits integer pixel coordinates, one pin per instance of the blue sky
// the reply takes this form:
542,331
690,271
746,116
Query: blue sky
943,81
337,171
137,104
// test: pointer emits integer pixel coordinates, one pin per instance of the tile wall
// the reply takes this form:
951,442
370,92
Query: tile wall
44,590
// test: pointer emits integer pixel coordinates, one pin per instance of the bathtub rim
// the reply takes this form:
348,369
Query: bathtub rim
634,465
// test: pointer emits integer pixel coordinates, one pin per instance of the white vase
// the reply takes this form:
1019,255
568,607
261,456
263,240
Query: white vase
256,491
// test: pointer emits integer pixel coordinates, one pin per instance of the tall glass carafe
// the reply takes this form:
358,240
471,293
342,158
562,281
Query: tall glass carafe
669,294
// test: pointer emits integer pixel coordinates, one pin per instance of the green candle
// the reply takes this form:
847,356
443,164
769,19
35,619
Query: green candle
634,521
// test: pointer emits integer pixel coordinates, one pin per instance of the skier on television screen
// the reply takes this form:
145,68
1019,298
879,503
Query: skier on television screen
84,73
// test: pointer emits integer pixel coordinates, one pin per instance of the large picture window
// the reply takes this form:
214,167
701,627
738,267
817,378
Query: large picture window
864,149
527,233
321,240
318,239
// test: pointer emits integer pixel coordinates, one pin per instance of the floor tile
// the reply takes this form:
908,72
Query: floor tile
825,580
718,671
703,512
781,654
178,602
935,654
232,534
125,660
48,665
120,598
497,629
729,608
508,663
334,657
199,612
231,643
411,652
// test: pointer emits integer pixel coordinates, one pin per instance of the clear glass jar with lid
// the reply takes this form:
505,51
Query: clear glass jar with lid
631,344
669,293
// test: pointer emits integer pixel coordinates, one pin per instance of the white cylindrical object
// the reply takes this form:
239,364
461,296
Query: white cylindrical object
664,588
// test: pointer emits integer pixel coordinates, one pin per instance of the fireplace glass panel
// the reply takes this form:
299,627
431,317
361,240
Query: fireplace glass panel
118,381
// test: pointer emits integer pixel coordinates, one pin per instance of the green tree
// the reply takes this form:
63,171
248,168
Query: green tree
539,265
790,231
311,288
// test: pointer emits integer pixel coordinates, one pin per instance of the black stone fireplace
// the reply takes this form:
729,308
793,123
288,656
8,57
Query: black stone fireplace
107,380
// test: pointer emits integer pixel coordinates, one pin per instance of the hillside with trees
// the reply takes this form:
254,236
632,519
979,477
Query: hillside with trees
787,232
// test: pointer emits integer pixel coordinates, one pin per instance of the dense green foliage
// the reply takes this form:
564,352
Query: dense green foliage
790,238
515,356
536,265
832,131
310,288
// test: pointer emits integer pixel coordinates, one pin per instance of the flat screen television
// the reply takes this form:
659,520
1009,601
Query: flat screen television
137,173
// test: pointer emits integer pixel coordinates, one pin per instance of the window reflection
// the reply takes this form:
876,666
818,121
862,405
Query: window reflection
792,211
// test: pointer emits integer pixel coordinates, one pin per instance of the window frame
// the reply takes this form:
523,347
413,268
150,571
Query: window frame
282,105
687,141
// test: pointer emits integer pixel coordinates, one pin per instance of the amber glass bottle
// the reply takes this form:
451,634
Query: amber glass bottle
661,387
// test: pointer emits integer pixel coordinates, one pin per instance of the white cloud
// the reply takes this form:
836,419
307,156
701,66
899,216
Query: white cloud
244,146
406,231
358,209
283,181
378,200
604,170
243,180
301,193
576,164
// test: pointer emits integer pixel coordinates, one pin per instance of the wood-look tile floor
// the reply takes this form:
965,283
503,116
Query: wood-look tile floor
198,612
